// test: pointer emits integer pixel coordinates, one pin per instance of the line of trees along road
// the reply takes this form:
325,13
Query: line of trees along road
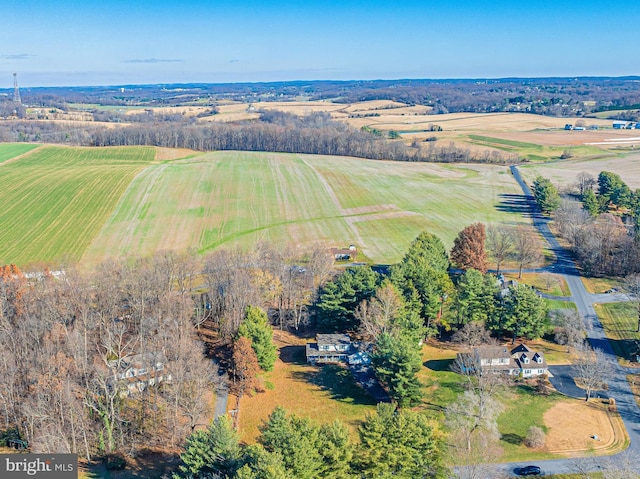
602,228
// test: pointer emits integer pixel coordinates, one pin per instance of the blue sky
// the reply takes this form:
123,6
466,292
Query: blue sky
88,42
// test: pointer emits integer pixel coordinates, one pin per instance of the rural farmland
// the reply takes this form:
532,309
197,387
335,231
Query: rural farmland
235,199
56,199
72,203
564,172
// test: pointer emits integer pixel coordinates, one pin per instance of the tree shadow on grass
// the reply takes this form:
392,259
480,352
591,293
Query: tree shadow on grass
439,364
511,438
339,382
514,204
293,354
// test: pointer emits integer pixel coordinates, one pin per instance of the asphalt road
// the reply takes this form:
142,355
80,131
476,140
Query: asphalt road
222,393
618,386
562,379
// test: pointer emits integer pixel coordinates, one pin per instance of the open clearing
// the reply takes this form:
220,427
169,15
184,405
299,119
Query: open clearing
230,199
564,172
570,425
327,393
56,199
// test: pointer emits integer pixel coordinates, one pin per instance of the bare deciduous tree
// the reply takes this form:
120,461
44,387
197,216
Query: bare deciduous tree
527,247
535,437
592,369
377,315
569,328
584,182
571,218
499,244
474,333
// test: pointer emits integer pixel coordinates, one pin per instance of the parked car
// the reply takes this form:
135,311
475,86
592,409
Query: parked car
611,291
528,471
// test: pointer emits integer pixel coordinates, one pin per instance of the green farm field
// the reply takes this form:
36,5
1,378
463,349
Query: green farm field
9,151
235,199
620,322
56,199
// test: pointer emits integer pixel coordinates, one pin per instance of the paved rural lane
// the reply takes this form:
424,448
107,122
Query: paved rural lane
222,392
618,386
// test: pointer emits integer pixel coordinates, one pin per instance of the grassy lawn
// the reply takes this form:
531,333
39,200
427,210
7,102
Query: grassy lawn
620,322
523,409
321,393
559,304
57,199
441,385
553,284
599,285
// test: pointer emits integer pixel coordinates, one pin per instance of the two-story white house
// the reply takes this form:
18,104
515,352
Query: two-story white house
530,363
329,348
519,361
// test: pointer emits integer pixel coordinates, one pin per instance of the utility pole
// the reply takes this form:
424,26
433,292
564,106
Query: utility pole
16,90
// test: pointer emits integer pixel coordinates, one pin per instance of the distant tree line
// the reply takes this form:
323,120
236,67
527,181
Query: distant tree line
546,96
276,131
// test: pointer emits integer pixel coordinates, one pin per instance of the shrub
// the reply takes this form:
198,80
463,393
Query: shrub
542,386
535,437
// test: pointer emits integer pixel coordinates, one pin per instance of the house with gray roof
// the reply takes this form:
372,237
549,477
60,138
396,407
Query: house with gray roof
519,361
330,348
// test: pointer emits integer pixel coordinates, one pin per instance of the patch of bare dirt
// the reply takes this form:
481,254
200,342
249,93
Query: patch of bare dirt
571,425
164,154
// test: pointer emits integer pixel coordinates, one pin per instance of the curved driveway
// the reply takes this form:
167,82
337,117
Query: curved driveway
618,386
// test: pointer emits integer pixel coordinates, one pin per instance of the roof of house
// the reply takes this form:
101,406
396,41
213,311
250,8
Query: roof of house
520,348
533,363
333,339
142,360
350,251
491,352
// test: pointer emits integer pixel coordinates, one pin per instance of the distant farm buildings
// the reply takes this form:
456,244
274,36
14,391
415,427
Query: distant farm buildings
344,254
626,125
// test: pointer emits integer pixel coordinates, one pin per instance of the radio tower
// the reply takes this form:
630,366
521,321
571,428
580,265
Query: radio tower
16,90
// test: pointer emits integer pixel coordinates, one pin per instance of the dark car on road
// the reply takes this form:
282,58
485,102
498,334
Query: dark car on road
528,471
